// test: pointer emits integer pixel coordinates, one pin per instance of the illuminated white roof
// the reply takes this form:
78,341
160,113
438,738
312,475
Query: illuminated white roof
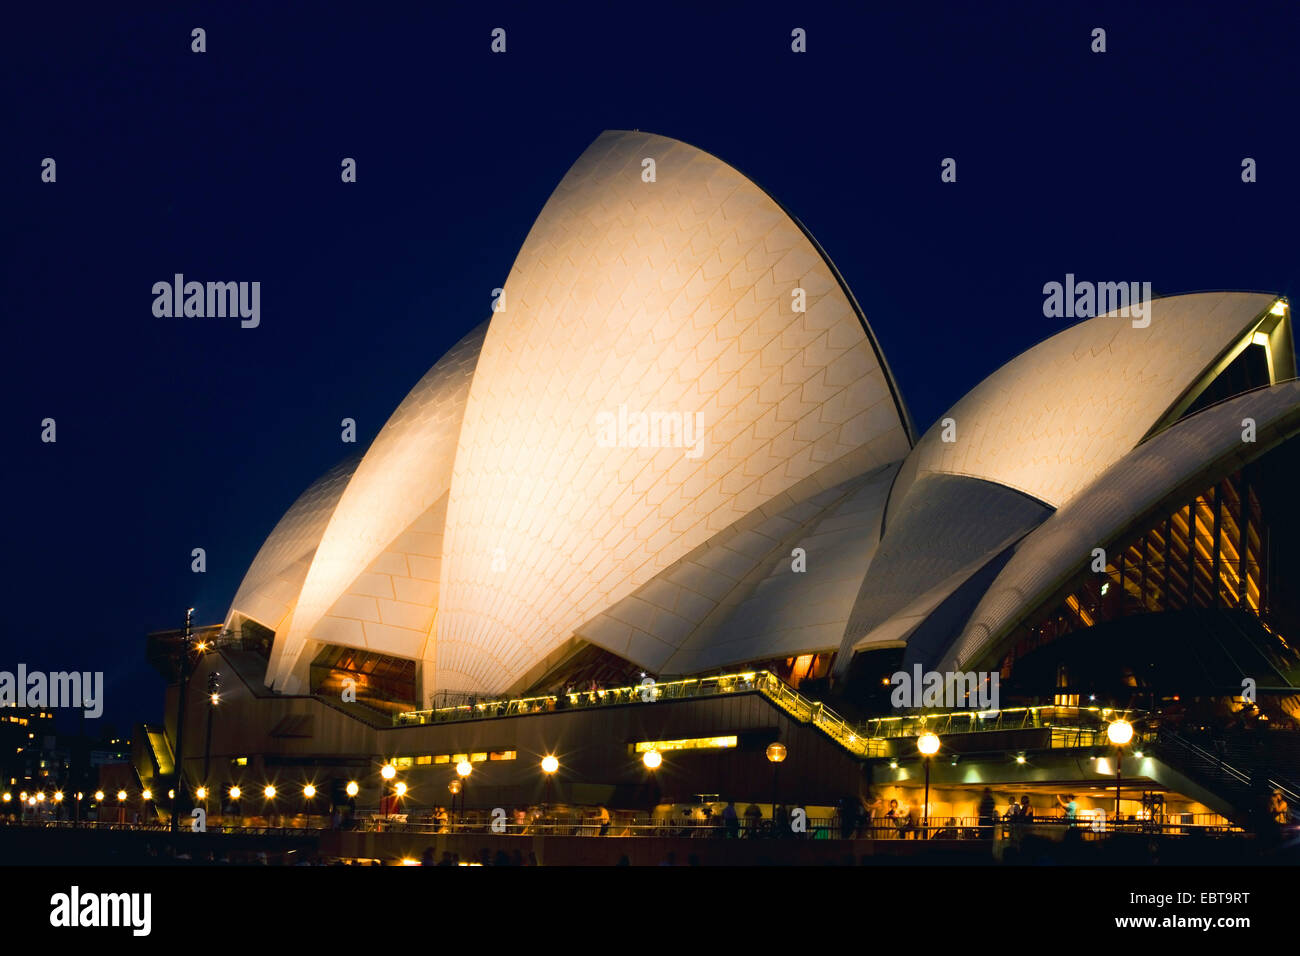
1055,417
672,296
373,581
271,584
1166,470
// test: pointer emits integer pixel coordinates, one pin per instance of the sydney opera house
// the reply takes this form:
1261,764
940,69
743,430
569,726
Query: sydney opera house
669,498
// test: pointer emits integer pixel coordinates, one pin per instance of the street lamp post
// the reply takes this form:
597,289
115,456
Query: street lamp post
180,721
549,765
463,770
454,788
387,772
776,753
214,698
308,792
1120,732
928,744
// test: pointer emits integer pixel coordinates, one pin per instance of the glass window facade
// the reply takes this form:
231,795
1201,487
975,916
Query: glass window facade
1212,551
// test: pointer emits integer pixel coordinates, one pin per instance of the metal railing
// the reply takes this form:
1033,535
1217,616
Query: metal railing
763,682
661,827
1088,724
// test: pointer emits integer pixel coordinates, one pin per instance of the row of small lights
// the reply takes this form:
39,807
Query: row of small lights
651,758
39,797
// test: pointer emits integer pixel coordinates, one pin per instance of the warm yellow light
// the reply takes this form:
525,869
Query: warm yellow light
202,646
652,759
928,744
40,797
31,801
352,788
549,764
454,786
400,789
8,797
215,698
1120,732
201,793
407,861
79,794
690,743
776,752
121,795
23,796
234,793
464,768
99,794
1279,308
144,795
1259,338
309,791
171,794
388,772
1020,758
269,792
58,796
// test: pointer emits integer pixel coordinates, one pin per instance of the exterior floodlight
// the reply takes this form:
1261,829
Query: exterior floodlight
58,796
234,793
269,792
1279,308
652,759
99,794
352,788
309,791
201,793
388,772
928,744
463,768
400,789
776,752
1120,732
144,795
549,765
121,795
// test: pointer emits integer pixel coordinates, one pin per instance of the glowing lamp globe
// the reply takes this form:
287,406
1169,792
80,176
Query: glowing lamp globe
1120,732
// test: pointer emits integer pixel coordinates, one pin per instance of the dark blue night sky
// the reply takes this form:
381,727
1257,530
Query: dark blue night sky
176,433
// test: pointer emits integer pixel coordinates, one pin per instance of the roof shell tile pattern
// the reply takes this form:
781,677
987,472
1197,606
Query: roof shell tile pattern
667,296
737,598
1054,418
